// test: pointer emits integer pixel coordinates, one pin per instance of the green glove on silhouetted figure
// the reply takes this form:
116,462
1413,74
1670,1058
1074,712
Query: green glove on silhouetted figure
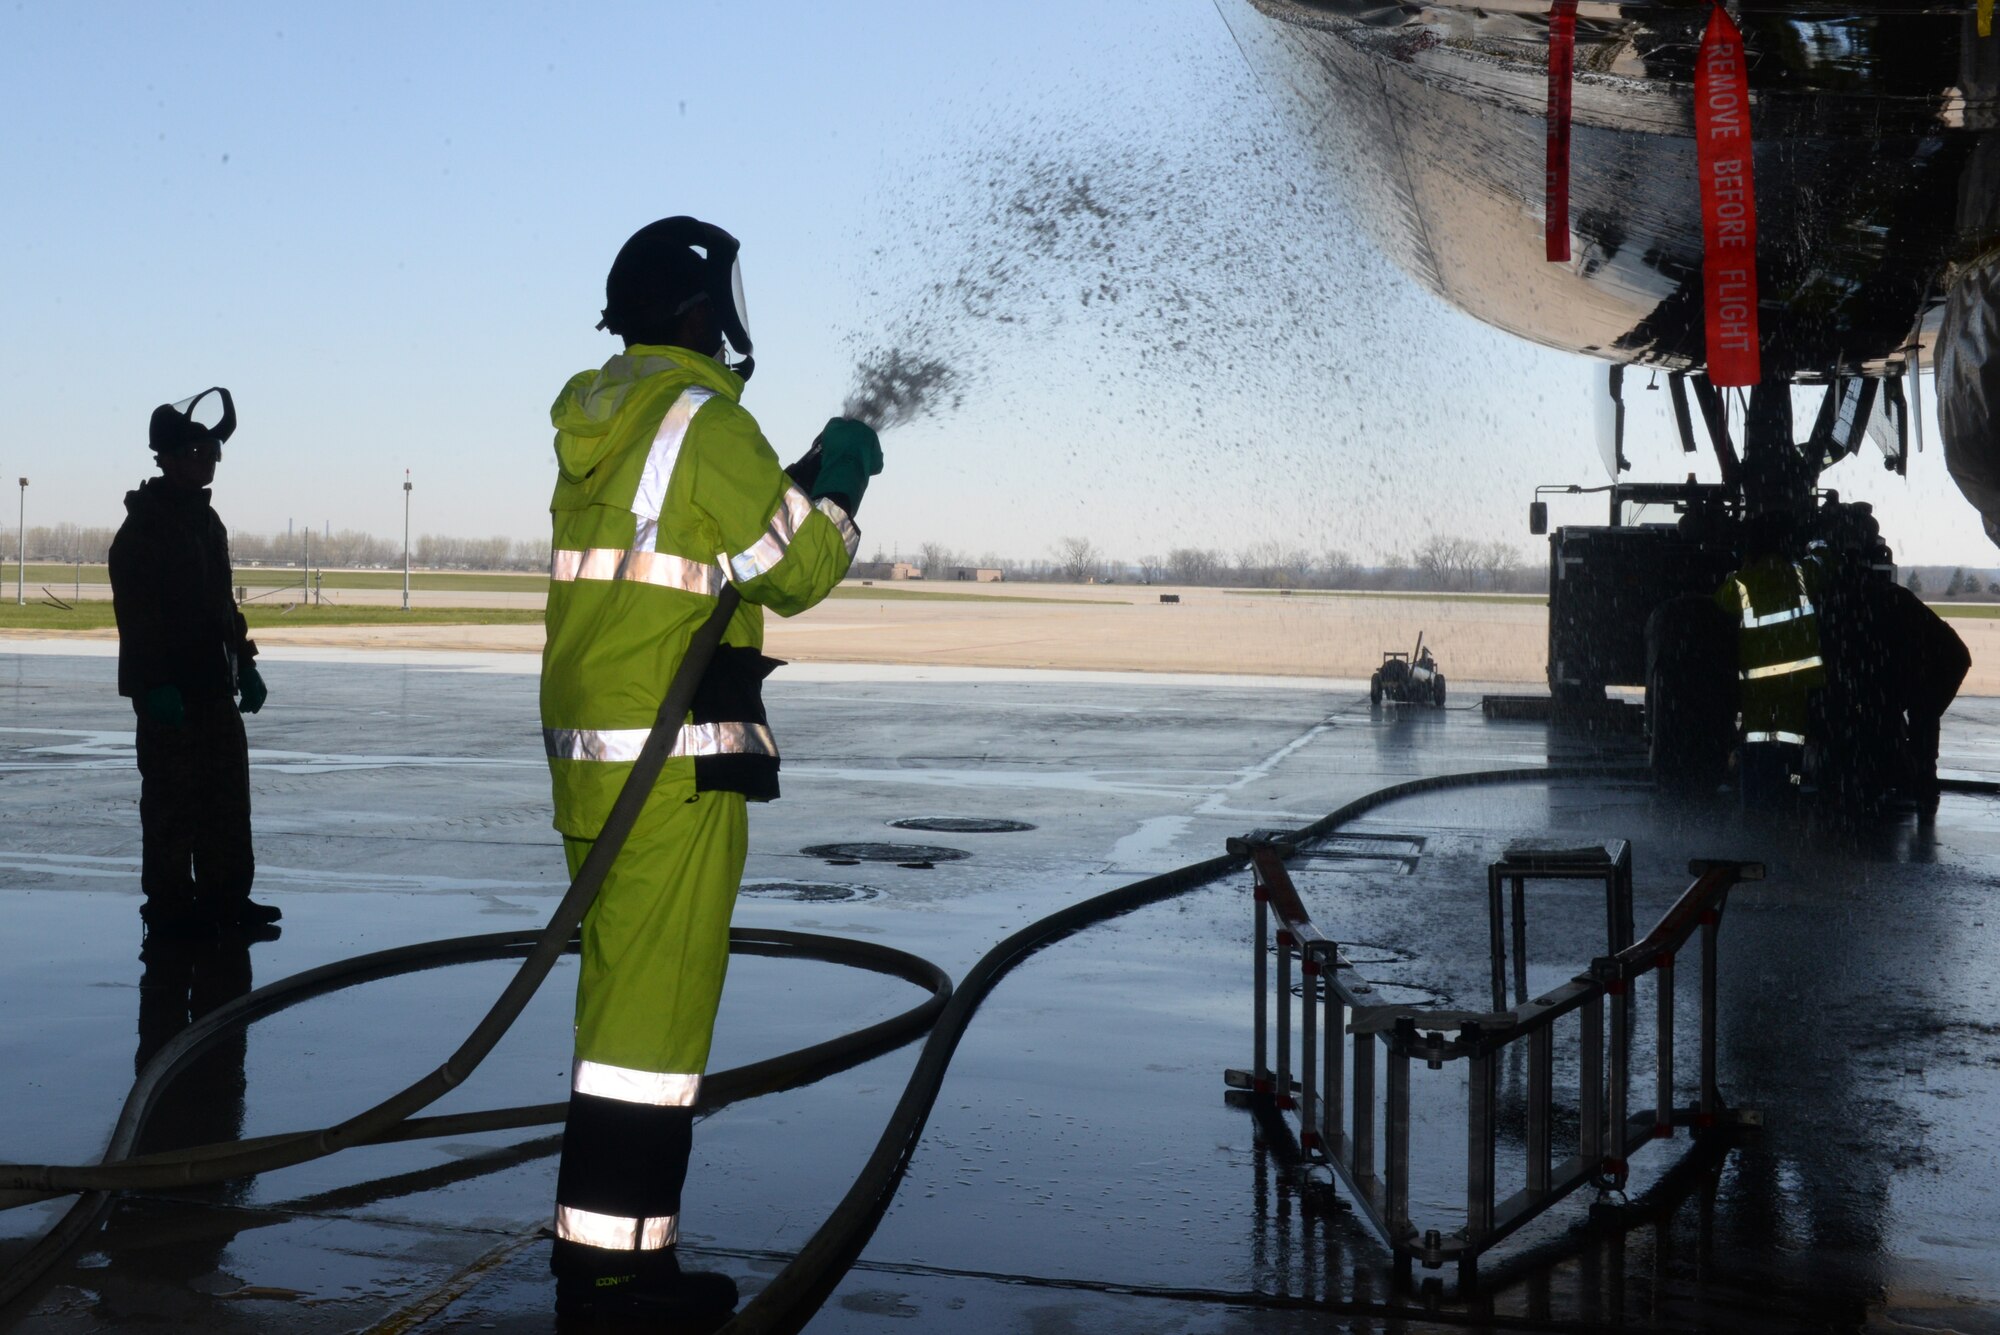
251,683
164,705
849,454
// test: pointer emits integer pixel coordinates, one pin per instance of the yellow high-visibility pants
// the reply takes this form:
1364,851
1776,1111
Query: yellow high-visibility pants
656,942
655,949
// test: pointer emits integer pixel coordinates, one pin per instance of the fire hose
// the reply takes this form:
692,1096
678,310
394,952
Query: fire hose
217,1163
790,1298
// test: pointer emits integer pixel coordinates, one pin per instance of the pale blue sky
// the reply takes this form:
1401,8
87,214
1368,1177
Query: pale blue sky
386,228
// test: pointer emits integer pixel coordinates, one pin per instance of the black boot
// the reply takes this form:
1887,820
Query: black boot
244,914
594,1283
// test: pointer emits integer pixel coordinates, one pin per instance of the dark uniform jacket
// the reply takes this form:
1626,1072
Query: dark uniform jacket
171,590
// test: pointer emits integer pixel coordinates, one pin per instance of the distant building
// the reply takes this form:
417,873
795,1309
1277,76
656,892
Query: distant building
883,570
976,574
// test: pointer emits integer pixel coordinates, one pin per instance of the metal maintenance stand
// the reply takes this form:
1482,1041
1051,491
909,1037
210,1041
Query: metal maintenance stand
1610,863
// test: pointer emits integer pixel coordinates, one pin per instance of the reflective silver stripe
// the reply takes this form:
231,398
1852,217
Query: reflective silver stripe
616,1232
661,1089
624,744
1781,669
642,566
850,536
666,450
1796,739
726,739
1804,609
594,743
765,553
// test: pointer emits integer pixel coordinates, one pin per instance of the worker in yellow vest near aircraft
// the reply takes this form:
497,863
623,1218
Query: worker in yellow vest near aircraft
667,491
1778,661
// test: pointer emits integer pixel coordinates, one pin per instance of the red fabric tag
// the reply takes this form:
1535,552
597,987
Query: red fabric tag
1562,64
1728,203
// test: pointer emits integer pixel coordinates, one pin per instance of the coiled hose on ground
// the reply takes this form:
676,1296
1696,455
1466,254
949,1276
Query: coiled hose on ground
788,1301
218,1163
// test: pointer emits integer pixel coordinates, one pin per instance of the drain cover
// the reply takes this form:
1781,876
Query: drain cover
962,824
809,892
1396,854
902,854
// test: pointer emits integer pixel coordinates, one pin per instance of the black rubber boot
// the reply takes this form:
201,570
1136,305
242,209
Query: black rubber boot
651,1286
242,915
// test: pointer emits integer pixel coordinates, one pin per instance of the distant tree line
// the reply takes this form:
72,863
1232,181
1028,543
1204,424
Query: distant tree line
1439,562
1939,583
347,548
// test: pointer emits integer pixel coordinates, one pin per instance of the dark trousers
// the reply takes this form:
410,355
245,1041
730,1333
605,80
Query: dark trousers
194,808
623,1166
1935,661
1766,774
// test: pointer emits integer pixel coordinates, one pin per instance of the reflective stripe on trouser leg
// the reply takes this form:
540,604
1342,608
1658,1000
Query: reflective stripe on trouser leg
655,949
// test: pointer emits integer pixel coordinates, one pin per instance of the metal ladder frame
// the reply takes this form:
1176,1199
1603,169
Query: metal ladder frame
1335,1099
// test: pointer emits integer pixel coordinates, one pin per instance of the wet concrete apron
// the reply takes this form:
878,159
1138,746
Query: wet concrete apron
1081,1170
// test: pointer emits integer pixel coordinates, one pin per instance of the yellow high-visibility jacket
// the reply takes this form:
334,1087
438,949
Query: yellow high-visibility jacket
667,490
1777,648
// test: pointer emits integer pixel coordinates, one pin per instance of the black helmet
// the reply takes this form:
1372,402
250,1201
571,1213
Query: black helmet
175,426
664,269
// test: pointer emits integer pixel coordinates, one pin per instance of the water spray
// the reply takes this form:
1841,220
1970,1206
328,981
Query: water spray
892,387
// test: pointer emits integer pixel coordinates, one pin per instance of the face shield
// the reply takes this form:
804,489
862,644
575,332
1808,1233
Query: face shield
207,417
719,252
742,306
213,410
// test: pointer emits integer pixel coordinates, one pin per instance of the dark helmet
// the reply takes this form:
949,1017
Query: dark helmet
176,426
664,269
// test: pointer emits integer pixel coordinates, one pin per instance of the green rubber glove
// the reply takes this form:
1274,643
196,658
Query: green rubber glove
255,692
849,454
164,705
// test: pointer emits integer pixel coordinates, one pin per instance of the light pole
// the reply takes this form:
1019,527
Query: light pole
21,583
406,539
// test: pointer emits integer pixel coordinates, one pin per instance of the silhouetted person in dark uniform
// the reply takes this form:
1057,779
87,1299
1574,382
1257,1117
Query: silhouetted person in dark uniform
1893,668
1933,662
183,654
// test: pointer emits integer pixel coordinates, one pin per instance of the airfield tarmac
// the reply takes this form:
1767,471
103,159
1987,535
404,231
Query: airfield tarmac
1081,1170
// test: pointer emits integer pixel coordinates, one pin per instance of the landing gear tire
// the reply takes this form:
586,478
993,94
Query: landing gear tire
1690,694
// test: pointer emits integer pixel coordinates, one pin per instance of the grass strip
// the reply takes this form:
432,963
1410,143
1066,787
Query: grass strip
259,580
876,592
62,579
1517,599
97,616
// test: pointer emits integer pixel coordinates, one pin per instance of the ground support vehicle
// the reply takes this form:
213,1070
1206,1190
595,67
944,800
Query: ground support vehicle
1408,679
